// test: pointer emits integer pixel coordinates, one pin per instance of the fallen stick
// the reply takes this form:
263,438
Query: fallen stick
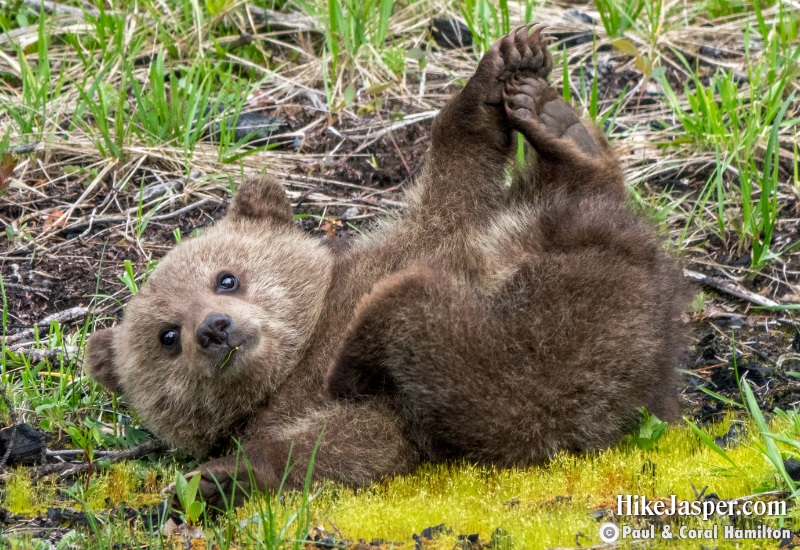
39,355
730,287
57,8
121,218
66,316
67,469
76,452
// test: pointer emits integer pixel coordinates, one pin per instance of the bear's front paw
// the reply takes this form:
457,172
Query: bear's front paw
219,487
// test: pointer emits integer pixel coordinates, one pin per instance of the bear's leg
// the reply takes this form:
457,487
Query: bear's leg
570,157
558,359
463,179
351,443
451,366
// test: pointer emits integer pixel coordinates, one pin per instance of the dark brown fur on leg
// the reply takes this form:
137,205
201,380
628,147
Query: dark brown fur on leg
464,176
355,443
560,357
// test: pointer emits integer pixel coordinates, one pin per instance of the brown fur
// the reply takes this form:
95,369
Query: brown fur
489,323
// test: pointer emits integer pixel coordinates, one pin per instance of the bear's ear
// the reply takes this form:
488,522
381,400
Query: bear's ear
100,359
261,198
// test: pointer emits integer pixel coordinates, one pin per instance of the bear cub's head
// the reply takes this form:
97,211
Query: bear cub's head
219,324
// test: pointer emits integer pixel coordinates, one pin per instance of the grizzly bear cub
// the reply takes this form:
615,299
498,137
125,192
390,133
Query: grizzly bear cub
493,323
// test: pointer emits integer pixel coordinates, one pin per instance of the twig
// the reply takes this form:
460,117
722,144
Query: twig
39,355
57,7
120,218
76,452
66,316
64,218
372,137
396,147
180,211
26,288
66,469
774,493
730,288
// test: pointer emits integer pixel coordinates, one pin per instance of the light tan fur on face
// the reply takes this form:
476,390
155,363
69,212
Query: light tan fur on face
186,399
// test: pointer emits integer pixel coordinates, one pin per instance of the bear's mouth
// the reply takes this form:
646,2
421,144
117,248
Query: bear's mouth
232,351
226,358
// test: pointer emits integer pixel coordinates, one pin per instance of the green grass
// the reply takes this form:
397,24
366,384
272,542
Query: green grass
736,121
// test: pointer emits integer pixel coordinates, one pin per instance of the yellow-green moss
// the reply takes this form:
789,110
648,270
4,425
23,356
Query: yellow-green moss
123,483
23,498
549,505
544,506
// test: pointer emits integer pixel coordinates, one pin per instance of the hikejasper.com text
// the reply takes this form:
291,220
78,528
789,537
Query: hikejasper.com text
639,505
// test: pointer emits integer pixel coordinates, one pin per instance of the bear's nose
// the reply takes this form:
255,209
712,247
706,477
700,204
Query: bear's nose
213,331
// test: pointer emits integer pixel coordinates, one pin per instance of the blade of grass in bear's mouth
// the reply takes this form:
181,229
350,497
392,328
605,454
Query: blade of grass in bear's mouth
228,358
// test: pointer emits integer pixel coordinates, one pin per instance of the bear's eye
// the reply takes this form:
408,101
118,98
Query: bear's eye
170,338
227,282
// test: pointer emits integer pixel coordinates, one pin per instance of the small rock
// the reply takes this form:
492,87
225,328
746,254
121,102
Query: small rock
28,444
652,88
255,128
451,33
710,51
603,513
432,532
67,517
575,38
732,437
792,466
351,212
7,517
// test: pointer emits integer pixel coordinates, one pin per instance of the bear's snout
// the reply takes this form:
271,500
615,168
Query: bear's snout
214,332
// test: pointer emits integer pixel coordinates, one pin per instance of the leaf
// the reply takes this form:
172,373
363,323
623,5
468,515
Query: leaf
626,46
710,443
417,54
650,430
180,489
195,508
376,89
54,216
349,94
191,488
642,63
7,164
770,450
